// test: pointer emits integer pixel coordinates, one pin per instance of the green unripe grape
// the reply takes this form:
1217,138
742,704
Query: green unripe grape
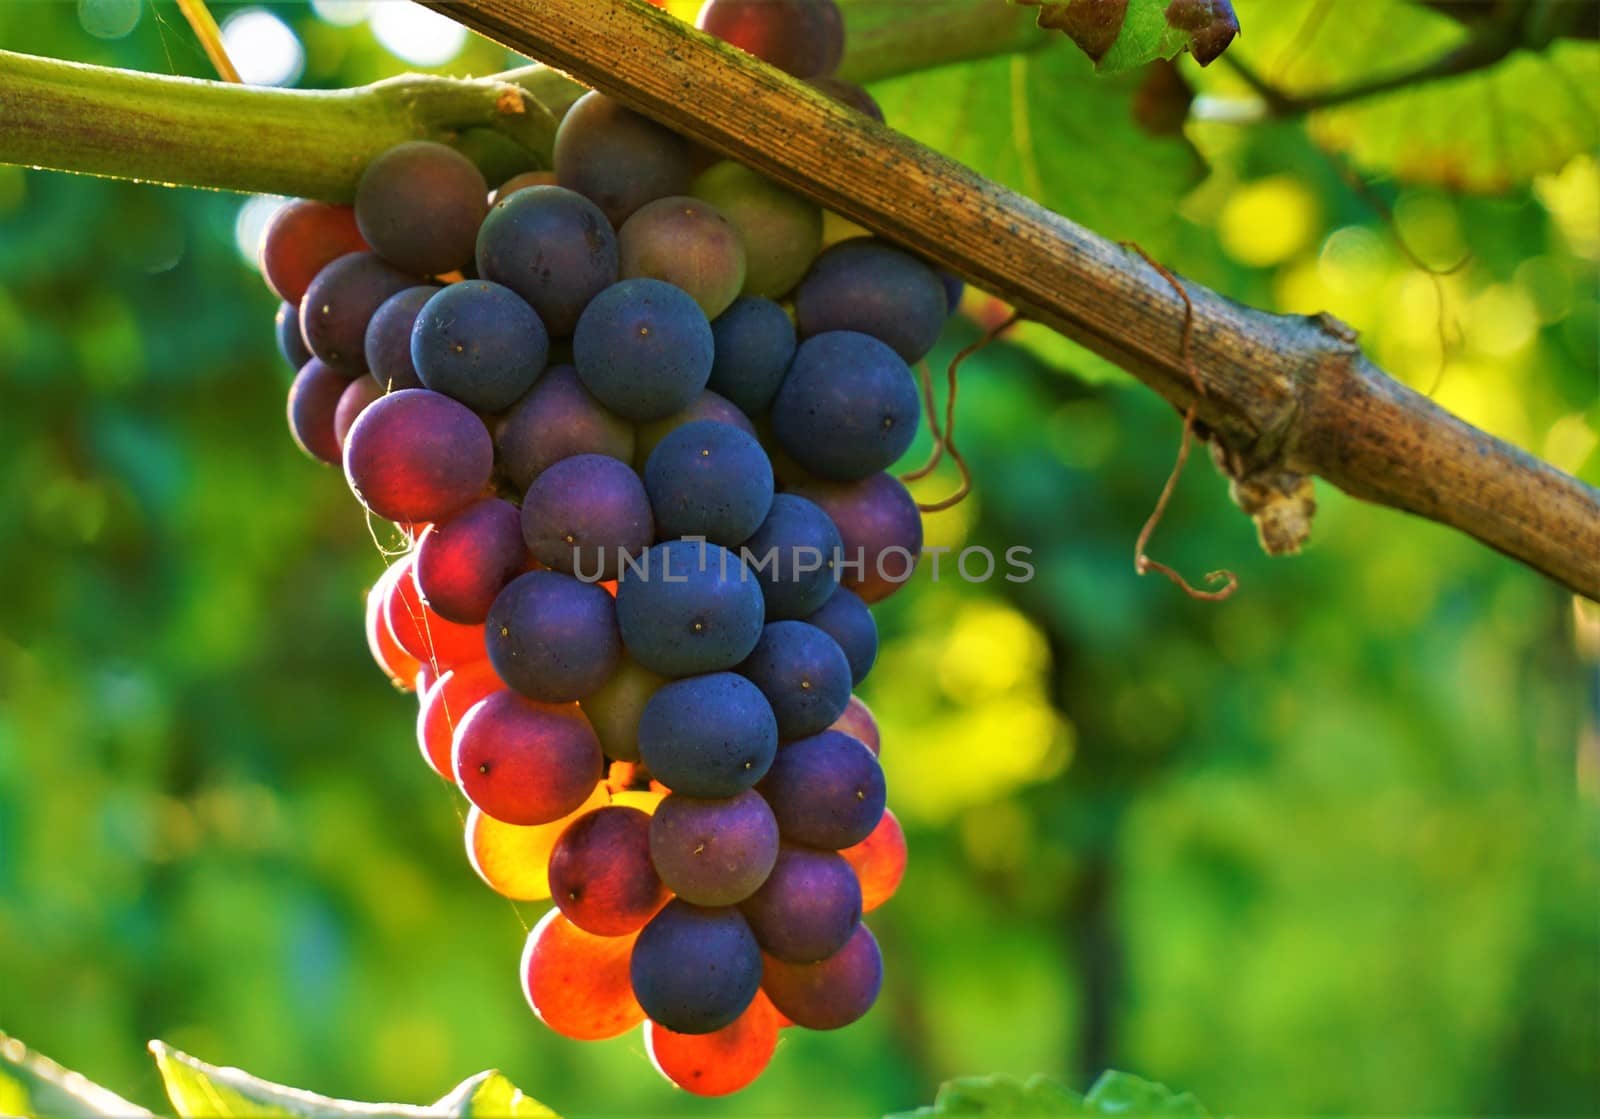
782,232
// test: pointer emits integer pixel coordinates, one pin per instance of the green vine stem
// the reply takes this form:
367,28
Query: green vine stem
69,116
183,131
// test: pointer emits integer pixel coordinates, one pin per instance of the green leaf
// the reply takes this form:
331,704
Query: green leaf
1044,124
491,1096
1000,1096
202,1091
1121,1093
1040,1097
1488,131
34,1085
1125,34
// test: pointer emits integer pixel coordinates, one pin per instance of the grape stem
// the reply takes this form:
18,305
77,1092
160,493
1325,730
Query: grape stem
1280,398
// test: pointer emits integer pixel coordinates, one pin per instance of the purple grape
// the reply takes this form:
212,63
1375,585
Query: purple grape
388,339
643,348
584,514
825,791
341,302
830,993
713,852
415,456
707,406
808,908
419,204
803,37
600,872
313,402
850,95
463,563
686,242
881,527
557,419
290,344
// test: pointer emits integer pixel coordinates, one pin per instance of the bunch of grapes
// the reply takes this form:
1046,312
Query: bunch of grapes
633,421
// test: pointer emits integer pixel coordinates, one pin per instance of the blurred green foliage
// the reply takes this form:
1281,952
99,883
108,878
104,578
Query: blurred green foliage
1329,847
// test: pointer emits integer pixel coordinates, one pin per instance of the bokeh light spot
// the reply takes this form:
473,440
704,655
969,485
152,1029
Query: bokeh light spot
1268,221
108,19
263,48
254,214
417,35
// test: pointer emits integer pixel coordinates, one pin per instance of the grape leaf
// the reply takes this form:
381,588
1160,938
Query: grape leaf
34,1085
1120,1093
1488,131
1040,1097
202,1091
1123,34
1044,124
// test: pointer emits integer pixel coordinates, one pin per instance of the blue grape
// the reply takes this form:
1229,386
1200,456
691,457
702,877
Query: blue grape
584,514
290,344
794,553
804,675
846,619
755,344
695,970
551,246
643,348
713,852
808,908
954,287
479,343
848,407
387,343
707,406
868,286
825,791
708,736
552,637
687,608
710,480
